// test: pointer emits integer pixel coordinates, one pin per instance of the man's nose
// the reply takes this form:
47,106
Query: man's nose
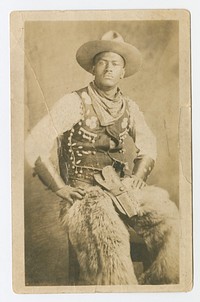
108,66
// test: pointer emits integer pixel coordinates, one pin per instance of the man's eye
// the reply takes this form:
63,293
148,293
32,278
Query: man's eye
116,64
101,62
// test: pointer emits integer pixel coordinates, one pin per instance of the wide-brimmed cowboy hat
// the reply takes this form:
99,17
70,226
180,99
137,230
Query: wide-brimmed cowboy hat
111,41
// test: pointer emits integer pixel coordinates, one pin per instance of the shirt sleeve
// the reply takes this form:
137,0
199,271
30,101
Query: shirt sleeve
145,140
62,117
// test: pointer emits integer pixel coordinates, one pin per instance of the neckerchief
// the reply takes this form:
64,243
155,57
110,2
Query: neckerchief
107,110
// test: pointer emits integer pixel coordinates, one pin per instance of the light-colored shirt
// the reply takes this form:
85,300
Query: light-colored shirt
65,114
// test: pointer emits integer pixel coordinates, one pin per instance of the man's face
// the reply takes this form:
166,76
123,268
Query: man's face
108,70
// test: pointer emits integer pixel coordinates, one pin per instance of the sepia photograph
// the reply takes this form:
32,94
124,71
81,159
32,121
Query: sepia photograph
102,160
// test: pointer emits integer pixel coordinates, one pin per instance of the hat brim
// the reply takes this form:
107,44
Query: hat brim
89,50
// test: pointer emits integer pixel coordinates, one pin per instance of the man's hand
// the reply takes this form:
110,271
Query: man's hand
70,194
137,183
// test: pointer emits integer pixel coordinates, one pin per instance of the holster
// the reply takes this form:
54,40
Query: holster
110,180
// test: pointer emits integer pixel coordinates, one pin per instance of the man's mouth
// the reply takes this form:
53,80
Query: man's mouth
108,76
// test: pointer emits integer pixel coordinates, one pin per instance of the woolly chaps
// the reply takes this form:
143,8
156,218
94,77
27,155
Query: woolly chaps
102,242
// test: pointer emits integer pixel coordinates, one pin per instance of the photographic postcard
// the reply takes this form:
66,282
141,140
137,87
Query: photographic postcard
125,229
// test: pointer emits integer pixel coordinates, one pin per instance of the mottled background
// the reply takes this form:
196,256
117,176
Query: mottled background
50,72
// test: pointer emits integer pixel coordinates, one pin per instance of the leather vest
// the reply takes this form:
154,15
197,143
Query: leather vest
88,146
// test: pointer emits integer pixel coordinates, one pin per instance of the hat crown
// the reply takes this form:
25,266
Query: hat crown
112,36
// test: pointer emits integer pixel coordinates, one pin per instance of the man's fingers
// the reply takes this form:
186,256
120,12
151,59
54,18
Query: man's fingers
76,195
138,183
61,194
66,197
80,191
70,199
142,185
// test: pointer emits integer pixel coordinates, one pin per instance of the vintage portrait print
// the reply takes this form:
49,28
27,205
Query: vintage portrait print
101,151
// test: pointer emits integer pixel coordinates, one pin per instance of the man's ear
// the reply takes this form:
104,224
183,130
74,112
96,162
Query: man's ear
123,73
93,70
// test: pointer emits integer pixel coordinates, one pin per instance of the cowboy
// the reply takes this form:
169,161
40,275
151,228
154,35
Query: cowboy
91,126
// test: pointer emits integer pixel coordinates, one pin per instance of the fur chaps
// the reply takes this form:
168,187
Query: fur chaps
101,239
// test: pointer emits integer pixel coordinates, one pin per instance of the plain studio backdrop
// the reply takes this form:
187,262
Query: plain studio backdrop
51,71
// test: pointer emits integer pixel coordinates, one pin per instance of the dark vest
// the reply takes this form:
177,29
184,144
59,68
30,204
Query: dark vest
88,146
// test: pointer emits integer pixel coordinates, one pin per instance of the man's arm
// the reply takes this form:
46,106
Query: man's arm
145,143
64,114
